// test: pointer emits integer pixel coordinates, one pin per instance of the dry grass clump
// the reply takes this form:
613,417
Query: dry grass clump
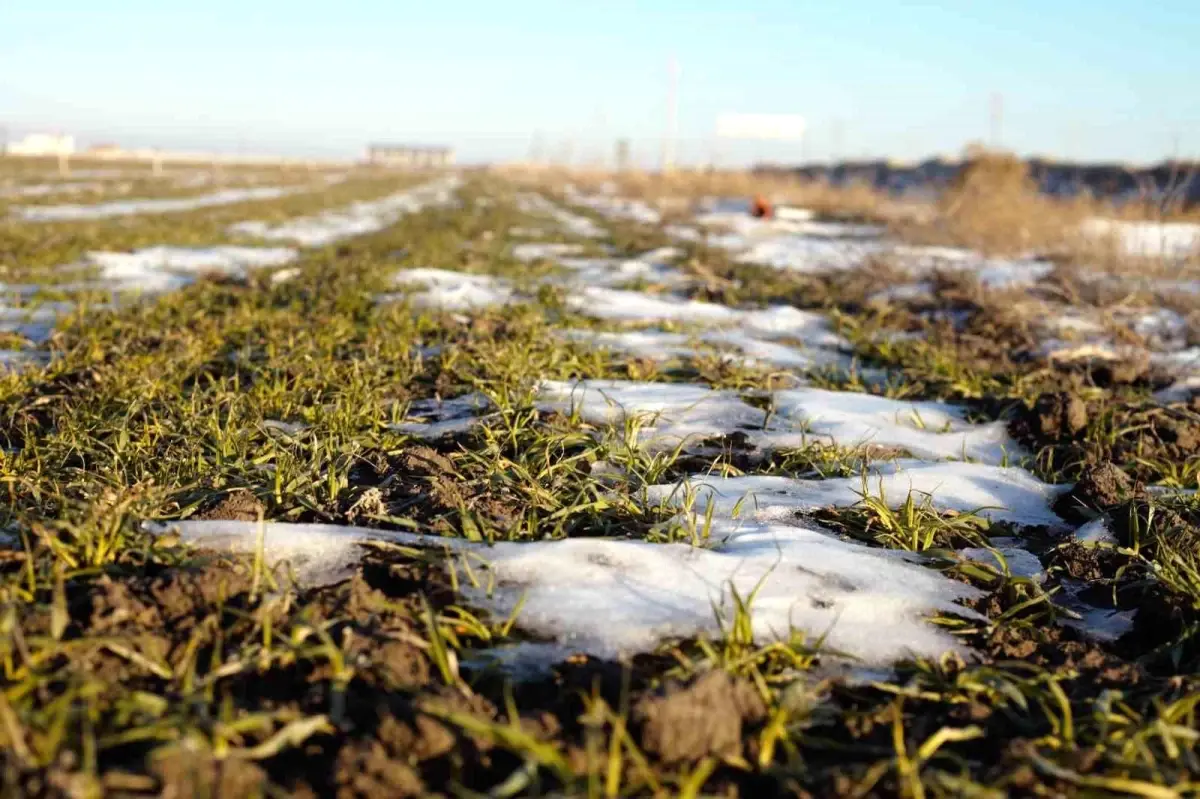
994,206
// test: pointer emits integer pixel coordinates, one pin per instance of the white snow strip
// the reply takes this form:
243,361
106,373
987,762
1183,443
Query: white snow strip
159,269
572,223
47,189
357,219
727,344
430,419
619,208
923,429
35,323
1167,240
1014,561
672,414
612,598
451,291
775,322
59,213
1001,494
652,267
995,273
531,251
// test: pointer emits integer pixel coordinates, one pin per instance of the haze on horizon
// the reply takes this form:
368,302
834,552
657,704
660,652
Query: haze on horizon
1074,80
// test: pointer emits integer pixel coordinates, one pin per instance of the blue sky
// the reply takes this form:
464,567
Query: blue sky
904,79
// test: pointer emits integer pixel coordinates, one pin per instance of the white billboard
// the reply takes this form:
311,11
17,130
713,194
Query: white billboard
778,127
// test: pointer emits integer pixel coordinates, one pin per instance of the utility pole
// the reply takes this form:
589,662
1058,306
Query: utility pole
668,149
997,119
536,155
621,154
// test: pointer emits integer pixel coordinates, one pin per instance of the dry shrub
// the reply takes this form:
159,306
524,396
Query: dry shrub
994,205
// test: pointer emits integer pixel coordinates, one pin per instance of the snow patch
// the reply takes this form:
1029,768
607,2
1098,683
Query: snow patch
451,291
357,219
676,413
612,598
998,493
1166,240
60,213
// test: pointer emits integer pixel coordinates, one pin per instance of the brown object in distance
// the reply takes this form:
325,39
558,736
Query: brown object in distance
761,208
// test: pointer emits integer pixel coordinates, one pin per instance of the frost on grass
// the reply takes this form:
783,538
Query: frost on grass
612,598
1001,494
357,219
671,414
451,291
60,213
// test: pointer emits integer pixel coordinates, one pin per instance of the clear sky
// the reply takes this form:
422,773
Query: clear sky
1090,80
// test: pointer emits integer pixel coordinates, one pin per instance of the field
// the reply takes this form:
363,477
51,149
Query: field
516,483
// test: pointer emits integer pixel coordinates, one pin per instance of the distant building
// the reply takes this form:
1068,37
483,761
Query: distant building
409,157
43,144
106,151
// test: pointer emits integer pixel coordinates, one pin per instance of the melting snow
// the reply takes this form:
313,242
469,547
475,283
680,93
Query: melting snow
574,224
653,267
998,493
1169,240
537,251
616,207
1015,561
633,306
612,598
996,273
435,418
452,291
158,269
46,189
675,413
35,323
357,219
1097,531
58,213
659,345
923,429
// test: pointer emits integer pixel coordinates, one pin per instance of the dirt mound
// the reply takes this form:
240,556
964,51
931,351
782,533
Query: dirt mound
1056,416
1099,489
688,723
237,506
